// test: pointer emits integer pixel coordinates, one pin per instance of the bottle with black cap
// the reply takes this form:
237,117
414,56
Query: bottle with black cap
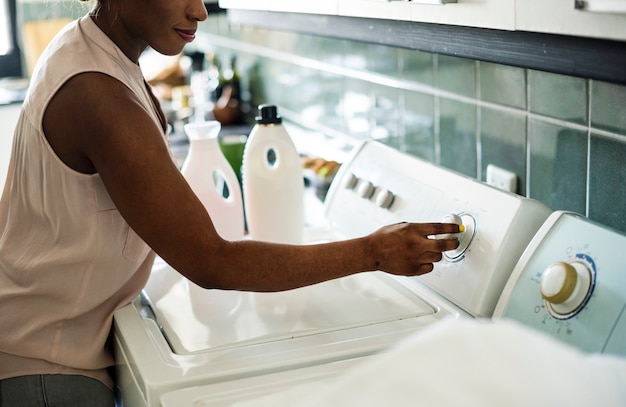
272,181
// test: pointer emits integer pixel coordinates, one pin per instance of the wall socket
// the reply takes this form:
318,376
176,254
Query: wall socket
501,178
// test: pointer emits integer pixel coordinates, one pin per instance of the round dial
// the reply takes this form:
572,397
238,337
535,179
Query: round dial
465,237
565,287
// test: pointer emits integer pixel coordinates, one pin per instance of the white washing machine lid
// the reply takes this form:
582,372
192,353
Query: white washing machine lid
288,388
198,320
435,366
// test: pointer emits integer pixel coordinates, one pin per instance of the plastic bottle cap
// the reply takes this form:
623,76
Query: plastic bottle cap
269,115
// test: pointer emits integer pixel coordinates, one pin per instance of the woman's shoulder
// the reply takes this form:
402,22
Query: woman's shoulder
82,47
79,50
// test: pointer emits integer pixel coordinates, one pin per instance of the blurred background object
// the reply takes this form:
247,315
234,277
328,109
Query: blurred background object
36,37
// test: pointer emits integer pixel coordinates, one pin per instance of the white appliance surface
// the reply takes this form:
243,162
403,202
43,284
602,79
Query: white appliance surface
593,316
286,388
454,363
178,336
196,320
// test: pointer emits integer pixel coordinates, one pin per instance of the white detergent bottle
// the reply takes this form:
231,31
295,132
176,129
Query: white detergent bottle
273,183
213,180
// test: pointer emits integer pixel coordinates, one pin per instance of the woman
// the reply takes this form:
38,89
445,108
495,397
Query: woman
92,193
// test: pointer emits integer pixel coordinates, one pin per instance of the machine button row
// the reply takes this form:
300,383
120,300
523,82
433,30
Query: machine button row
365,189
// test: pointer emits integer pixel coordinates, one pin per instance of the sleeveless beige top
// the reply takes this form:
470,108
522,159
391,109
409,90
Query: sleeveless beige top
68,259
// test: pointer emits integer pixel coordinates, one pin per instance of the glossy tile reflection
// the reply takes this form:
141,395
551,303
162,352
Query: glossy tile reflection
558,170
563,136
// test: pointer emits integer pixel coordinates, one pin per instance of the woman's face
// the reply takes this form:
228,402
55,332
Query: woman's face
164,25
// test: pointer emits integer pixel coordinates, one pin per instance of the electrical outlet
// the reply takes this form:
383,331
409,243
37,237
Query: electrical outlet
501,178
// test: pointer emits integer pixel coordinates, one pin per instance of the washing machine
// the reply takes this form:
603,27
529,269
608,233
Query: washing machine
455,363
570,283
557,336
178,336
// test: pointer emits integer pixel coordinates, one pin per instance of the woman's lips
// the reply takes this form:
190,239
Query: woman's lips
187,35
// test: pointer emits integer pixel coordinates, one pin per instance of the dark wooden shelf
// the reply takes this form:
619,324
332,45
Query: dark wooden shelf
591,58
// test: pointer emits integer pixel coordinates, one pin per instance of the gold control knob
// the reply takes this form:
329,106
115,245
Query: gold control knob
565,287
558,282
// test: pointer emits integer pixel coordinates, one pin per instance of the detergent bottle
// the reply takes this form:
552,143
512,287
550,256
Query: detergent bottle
272,180
213,180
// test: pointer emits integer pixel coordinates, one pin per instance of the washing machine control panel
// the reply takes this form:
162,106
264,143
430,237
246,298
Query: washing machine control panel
571,283
380,186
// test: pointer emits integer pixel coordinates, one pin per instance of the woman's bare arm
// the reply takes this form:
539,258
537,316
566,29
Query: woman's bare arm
95,124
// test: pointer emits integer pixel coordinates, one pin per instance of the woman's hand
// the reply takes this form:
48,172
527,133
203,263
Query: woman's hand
410,248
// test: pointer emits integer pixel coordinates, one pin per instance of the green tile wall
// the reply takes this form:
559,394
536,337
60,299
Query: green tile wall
565,137
37,10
